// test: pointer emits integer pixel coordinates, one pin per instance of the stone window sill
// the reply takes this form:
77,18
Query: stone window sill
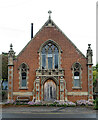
76,87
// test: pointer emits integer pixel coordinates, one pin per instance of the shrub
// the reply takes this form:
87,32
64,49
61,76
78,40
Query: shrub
44,104
96,104
10,102
3,93
89,103
70,104
32,103
56,101
20,103
64,104
81,102
84,103
52,104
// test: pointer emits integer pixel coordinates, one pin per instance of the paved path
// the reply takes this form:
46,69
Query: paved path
48,112
49,109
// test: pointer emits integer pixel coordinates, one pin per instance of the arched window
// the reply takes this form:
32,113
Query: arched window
76,74
50,57
23,75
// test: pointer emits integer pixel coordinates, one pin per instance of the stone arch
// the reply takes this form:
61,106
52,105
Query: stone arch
44,80
23,71
52,78
77,75
75,64
50,86
22,64
40,53
50,41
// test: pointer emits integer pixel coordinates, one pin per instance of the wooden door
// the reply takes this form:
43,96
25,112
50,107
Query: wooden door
49,90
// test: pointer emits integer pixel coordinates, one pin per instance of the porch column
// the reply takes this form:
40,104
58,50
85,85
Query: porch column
57,92
65,92
61,89
37,89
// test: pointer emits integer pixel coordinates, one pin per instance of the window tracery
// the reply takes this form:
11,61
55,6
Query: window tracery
23,75
50,57
77,75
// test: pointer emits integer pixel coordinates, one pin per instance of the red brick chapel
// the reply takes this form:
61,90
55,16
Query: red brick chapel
50,67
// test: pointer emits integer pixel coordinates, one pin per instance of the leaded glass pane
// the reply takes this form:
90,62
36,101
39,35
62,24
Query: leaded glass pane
43,51
76,73
56,50
52,46
76,83
43,61
56,61
50,92
49,51
49,62
23,79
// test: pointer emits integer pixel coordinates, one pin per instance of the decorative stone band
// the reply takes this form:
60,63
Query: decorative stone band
48,72
30,93
77,93
23,93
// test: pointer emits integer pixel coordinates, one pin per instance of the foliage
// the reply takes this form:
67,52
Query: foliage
70,104
3,93
95,74
84,103
94,77
56,103
32,103
4,66
96,104
64,103
20,103
10,102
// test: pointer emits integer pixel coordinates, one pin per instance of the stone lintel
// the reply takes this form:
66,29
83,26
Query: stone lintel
23,93
77,93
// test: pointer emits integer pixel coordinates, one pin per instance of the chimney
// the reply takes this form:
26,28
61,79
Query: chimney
31,30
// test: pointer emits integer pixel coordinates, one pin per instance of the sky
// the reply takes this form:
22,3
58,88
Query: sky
76,18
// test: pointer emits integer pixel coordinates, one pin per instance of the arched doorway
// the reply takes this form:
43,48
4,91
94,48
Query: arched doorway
49,90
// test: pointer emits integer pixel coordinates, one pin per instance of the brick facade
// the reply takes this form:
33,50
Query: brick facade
63,77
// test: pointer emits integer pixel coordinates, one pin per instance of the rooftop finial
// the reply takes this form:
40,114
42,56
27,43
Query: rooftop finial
49,14
11,46
89,45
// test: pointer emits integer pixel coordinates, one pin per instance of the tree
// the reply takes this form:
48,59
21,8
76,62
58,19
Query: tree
3,68
95,74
